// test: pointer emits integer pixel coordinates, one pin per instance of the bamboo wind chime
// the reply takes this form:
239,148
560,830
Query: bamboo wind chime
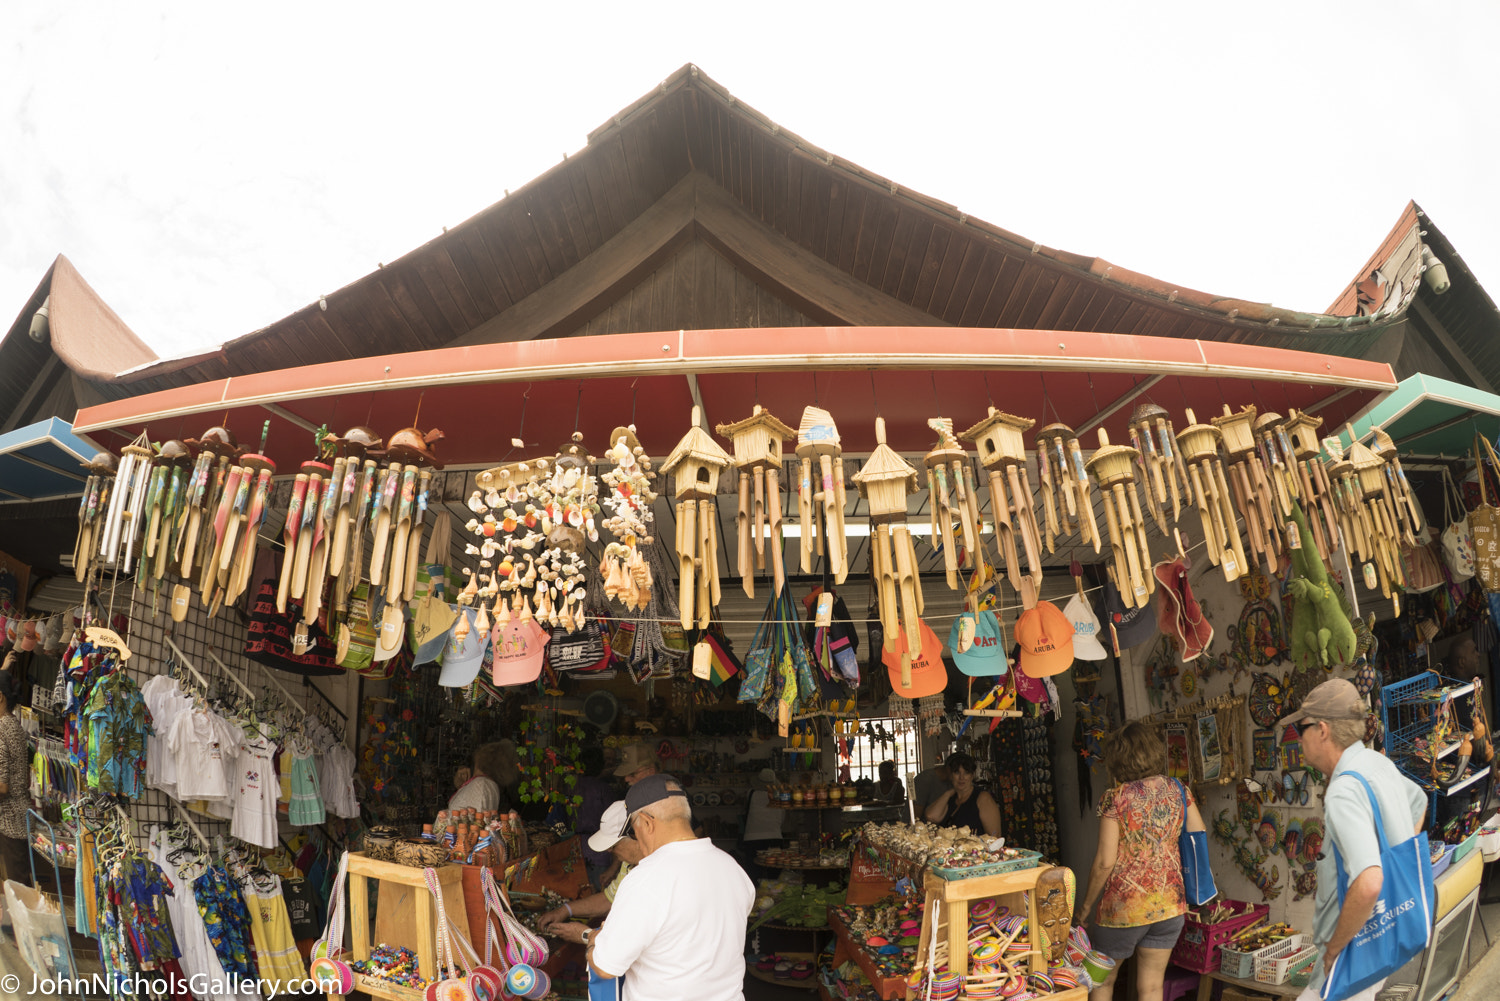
696,463
398,522
1164,472
1252,492
954,500
122,521
1065,485
354,490
98,489
821,508
164,501
1003,453
884,481
1319,499
1198,444
757,455
1114,467
212,499
1382,514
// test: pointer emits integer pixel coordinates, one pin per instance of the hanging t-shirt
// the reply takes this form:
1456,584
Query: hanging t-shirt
206,746
255,794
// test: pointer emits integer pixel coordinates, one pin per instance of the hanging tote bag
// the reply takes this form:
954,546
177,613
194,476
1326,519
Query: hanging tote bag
1400,925
1197,875
332,974
1484,523
758,661
1458,541
522,945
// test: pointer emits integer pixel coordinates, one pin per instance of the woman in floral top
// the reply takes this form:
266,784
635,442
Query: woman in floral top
1137,875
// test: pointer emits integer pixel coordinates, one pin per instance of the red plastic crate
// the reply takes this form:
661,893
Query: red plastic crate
1197,948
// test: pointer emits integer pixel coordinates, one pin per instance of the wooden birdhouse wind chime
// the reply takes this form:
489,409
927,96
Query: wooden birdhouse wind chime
820,503
757,455
1003,453
696,463
1114,467
954,501
884,481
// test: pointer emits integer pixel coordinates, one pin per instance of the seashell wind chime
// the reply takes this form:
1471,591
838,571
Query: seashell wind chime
534,516
696,464
757,455
629,506
884,481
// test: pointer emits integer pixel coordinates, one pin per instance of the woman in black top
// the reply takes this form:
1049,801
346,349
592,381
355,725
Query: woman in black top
965,805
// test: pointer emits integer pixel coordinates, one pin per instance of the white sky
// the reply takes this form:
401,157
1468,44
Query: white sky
210,168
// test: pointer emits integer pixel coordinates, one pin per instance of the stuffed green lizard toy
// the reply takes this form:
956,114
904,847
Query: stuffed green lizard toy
1321,631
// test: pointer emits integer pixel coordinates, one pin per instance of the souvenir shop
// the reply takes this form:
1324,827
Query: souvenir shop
433,618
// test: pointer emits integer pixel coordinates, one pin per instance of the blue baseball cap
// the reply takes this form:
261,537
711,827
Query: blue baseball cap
978,644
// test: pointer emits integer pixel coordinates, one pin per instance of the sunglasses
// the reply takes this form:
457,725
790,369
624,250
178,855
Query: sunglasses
1302,727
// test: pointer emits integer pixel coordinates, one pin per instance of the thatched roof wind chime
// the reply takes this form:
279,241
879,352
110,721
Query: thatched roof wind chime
820,507
757,455
1003,453
696,463
884,481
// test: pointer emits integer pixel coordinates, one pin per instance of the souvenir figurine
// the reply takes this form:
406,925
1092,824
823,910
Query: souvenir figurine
696,464
757,455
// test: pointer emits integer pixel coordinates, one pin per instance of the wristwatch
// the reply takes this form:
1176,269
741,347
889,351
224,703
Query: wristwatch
588,933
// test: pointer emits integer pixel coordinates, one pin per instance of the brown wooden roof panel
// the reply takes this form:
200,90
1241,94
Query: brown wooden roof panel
478,277
1037,297
1057,301
931,265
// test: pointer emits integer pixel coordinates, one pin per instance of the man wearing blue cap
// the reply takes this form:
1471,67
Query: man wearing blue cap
676,931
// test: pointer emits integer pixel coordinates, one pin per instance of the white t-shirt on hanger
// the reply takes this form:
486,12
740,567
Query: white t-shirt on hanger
255,793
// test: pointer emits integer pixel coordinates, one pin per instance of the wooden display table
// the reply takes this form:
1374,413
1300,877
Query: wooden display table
408,905
947,911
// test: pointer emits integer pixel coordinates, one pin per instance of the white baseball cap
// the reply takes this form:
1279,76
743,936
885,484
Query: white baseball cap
1086,644
611,827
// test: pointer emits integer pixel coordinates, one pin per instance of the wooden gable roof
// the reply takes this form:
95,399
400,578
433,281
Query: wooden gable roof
690,206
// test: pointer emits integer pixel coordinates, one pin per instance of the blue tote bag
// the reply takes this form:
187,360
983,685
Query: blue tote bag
1197,878
1400,925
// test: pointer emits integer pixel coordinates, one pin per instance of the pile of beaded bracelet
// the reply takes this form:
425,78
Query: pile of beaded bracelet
392,963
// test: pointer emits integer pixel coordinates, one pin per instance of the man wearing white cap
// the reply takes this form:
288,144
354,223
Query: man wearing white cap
566,922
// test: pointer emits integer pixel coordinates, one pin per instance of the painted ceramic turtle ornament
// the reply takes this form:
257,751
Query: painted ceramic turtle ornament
218,440
354,443
410,446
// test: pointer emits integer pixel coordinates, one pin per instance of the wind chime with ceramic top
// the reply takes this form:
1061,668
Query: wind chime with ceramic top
1198,445
954,498
696,464
1114,467
355,490
1065,485
1003,453
1163,471
211,501
884,481
757,444
399,493
98,490
237,523
170,470
820,502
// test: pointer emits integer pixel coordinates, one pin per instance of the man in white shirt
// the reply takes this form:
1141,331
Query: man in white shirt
676,931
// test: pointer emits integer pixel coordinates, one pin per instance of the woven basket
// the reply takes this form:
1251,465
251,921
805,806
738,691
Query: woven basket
419,853
380,843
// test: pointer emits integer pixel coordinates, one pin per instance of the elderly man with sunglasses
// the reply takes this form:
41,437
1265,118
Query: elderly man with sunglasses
676,931
1331,724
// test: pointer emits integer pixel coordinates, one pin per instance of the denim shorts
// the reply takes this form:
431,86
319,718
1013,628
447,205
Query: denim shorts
1120,944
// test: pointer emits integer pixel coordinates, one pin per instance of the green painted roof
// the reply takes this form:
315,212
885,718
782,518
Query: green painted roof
1430,416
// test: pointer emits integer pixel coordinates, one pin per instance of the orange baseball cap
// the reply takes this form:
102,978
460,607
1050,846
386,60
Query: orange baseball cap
1046,639
928,675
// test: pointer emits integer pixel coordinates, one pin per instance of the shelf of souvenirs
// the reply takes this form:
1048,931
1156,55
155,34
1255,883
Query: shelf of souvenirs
789,858
886,984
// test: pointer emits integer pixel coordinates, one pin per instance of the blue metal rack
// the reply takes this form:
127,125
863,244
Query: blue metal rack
62,905
1409,709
